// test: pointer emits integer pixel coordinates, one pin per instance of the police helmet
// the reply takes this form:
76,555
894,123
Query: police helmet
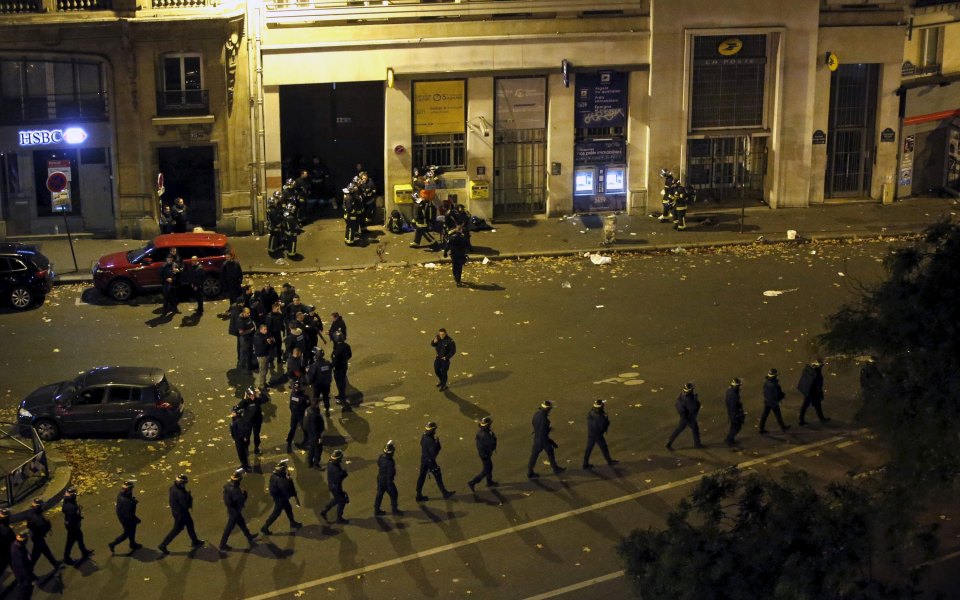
771,373
430,426
389,448
548,404
486,422
336,455
182,478
688,387
237,475
599,403
281,466
735,382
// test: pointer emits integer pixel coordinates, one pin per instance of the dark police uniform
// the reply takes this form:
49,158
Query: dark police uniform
429,450
735,413
22,568
240,432
335,476
170,277
457,248
127,515
320,376
313,427
232,275
72,516
234,498
298,406
597,425
386,473
446,349
281,489
195,276
542,441
688,407
772,395
181,501
39,527
811,386
7,538
342,353
253,415
486,445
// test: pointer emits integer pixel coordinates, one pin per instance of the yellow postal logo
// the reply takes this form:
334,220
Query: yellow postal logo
730,46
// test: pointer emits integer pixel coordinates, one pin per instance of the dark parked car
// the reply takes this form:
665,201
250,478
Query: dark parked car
104,400
26,276
122,274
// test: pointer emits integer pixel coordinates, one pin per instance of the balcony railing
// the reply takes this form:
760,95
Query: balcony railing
35,109
14,7
176,103
180,3
75,5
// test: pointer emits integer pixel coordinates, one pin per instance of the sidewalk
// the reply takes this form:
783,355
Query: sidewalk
322,247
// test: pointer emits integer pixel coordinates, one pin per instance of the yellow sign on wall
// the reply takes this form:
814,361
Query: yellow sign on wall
439,107
730,46
833,61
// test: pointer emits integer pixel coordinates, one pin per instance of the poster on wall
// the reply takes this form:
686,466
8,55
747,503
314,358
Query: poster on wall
59,176
521,103
906,176
439,107
601,99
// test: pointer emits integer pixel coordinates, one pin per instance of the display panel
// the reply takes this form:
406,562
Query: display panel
583,181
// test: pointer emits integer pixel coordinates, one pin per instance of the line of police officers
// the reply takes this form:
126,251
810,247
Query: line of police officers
282,488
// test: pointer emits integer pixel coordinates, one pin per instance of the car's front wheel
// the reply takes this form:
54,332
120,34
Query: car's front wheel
47,429
21,298
121,290
149,429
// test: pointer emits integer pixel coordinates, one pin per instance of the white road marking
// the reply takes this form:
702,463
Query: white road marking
847,443
577,586
539,522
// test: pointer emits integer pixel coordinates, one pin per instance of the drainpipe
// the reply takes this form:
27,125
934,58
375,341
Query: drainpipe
255,90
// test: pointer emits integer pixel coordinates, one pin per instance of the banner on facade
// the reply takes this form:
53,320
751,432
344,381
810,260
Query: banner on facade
521,103
439,107
601,99
59,177
596,152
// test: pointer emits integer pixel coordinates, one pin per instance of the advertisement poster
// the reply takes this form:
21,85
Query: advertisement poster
595,152
58,184
601,99
439,107
521,103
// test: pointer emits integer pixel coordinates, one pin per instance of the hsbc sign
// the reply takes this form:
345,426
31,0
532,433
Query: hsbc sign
44,137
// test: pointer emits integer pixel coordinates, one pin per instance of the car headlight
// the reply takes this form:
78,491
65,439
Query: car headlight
25,413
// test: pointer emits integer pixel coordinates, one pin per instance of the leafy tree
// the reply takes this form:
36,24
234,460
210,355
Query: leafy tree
754,537
910,326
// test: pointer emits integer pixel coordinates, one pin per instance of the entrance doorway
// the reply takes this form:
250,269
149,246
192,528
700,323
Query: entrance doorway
520,172
850,143
189,172
342,124
727,168
14,207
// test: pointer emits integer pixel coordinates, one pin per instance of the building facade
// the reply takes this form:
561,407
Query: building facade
529,107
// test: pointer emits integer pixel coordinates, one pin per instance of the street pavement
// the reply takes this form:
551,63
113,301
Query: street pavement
633,332
321,247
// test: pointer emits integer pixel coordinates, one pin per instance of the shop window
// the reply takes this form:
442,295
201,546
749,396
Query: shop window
181,85
447,151
37,90
67,201
728,82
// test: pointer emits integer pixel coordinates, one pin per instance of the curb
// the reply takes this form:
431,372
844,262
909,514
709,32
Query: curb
60,475
525,255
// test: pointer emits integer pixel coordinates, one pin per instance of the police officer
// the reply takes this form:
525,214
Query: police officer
166,221
542,441
195,276
486,446
263,349
245,330
179,210
688,407
735,412
457,249
298,406
446,349
811,386
170,277
234,498
386,473
72,516
22,566
338,328
429,450
597,425
232,275
276,323
281,489
39,527
7,537
253,400
320,376
336,473
181,502
313,427
772,396
127,515
240,432
340,357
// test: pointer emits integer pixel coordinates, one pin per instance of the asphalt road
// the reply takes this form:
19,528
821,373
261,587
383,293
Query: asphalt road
631,332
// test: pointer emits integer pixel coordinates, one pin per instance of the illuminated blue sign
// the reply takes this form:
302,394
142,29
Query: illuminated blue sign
43,137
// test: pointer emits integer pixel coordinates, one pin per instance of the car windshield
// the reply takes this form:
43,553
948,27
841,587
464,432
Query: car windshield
163,387
66,392
135,255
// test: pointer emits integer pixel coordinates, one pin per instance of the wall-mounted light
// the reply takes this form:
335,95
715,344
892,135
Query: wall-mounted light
390,77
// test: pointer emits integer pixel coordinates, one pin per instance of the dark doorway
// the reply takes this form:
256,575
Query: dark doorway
850,143
189,172
340,123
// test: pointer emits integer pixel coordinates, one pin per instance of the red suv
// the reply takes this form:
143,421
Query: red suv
122,274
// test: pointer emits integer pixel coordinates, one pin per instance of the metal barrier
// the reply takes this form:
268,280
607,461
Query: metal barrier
24,463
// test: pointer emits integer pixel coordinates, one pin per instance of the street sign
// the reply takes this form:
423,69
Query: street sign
57,181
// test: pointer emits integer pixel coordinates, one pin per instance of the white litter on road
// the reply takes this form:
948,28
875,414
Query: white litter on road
778,292
486,260
598,259
430,266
